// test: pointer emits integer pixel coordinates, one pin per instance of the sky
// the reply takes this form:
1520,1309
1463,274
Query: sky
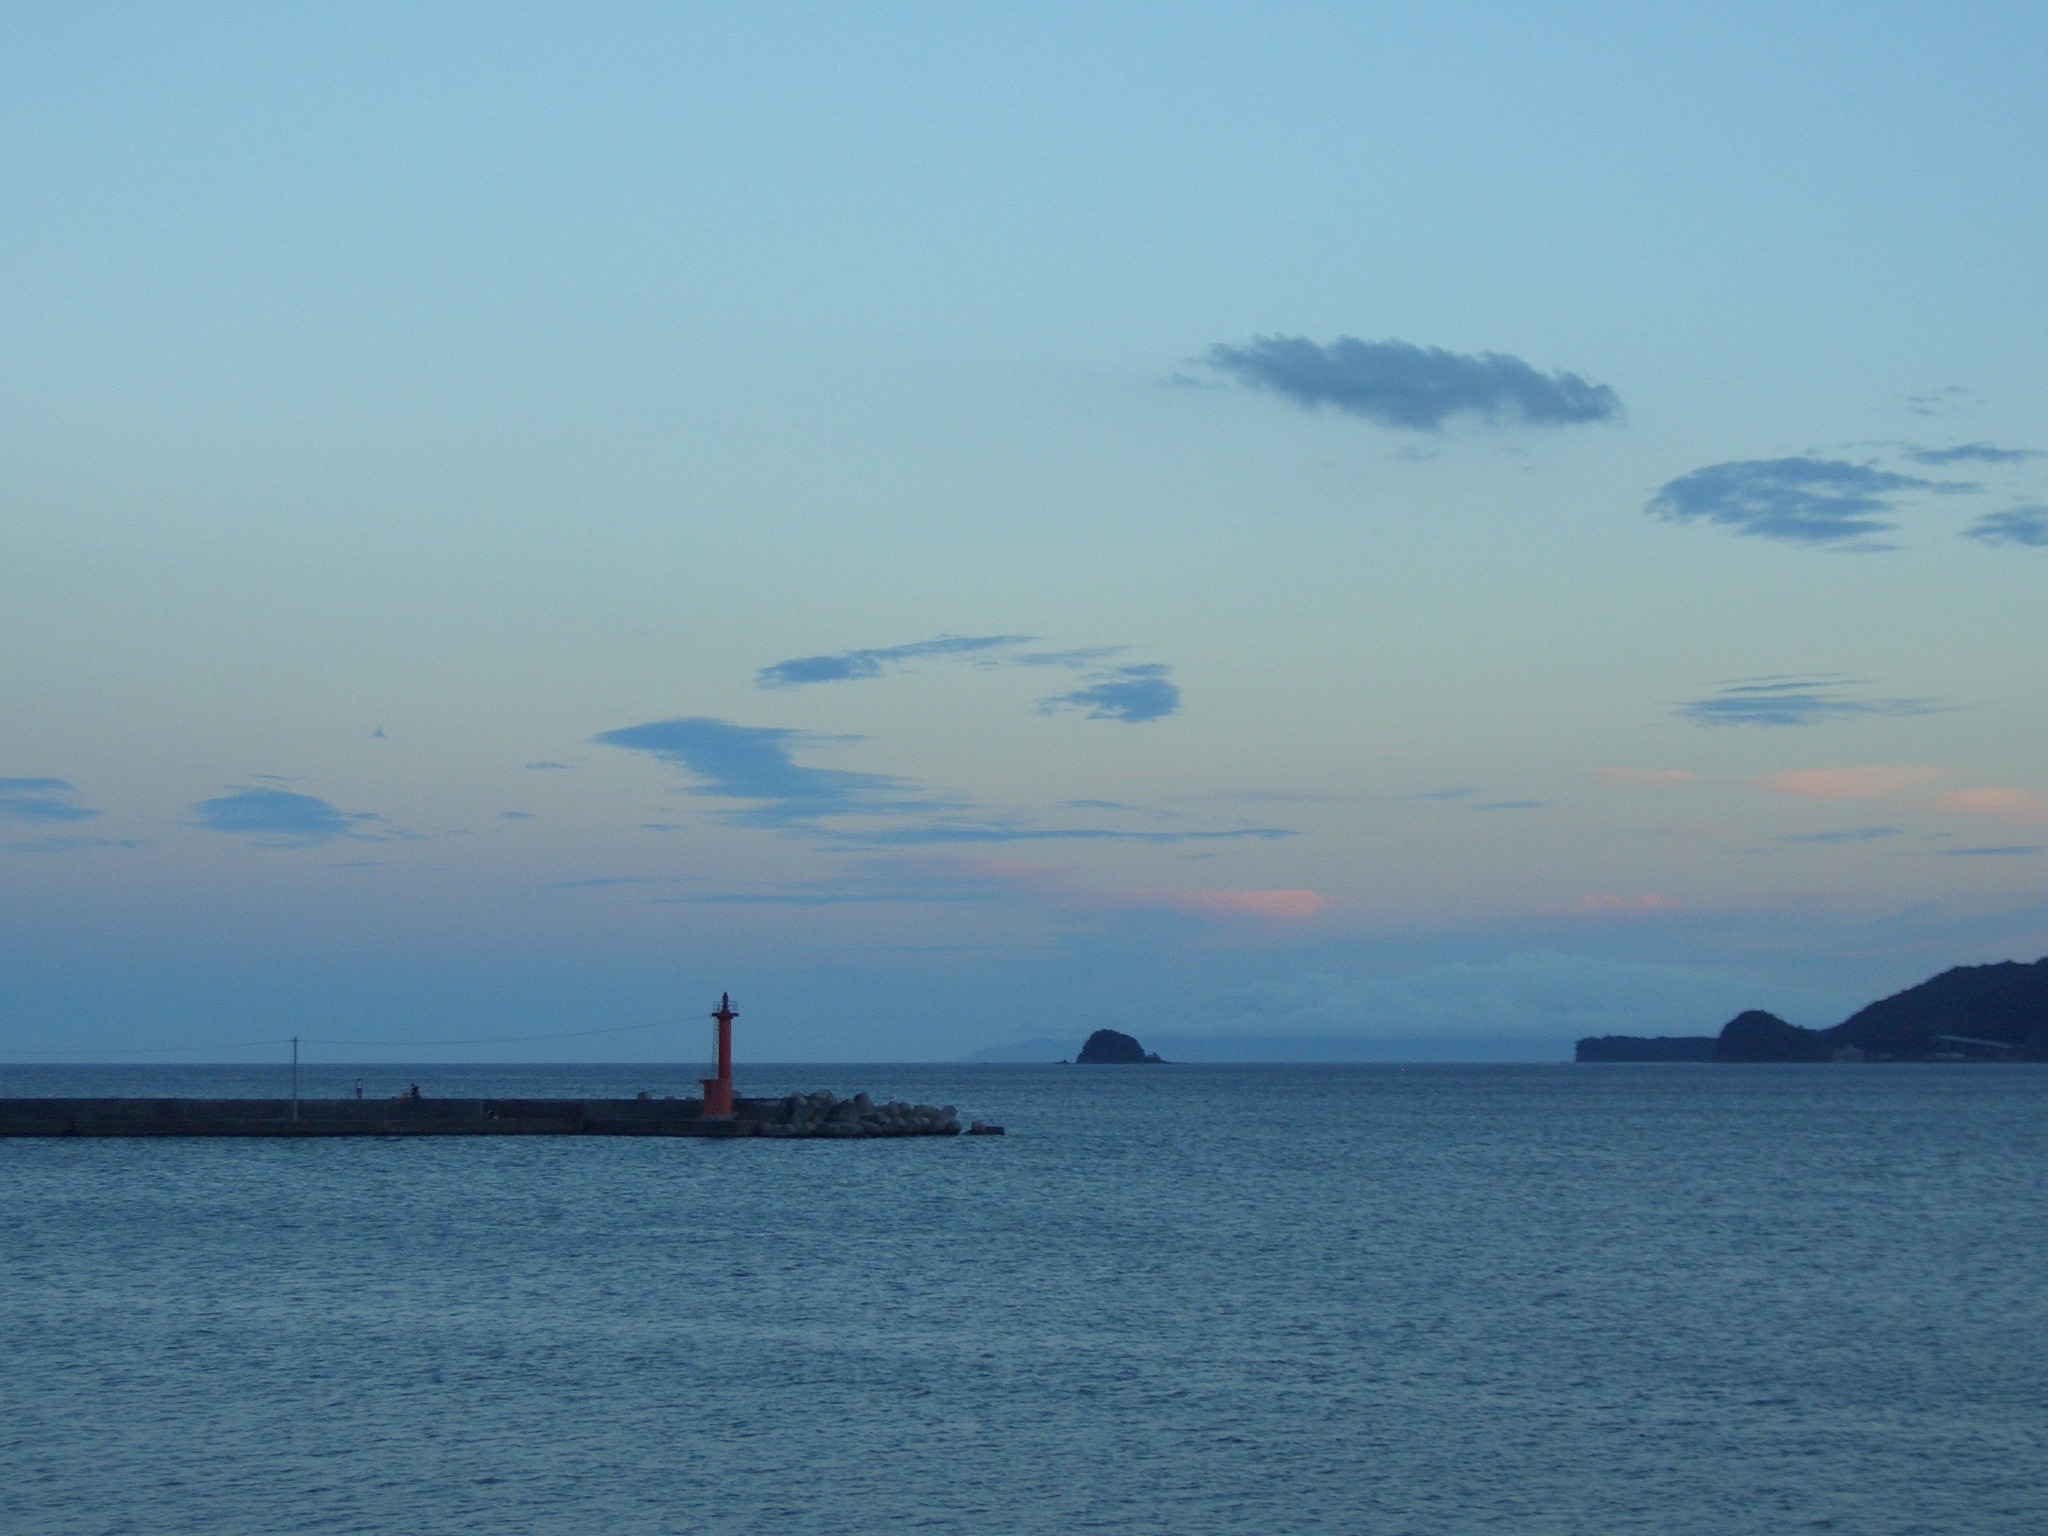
1410,531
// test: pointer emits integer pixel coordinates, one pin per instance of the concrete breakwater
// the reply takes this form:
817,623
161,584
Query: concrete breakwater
818,1115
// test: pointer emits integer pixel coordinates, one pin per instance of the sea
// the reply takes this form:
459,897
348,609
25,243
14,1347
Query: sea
1180,1299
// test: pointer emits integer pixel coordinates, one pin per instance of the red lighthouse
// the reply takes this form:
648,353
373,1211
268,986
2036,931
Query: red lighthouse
718,1090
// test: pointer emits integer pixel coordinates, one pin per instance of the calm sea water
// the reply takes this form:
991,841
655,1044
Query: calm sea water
1187,1300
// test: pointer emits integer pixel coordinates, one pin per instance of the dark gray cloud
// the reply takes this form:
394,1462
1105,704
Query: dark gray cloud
1971,453
1130,694
41,800
757,763
546,767
1456,792
845,666
1796,701
2010,851
1804,500
1398,384
1852,835
280,818
2017,525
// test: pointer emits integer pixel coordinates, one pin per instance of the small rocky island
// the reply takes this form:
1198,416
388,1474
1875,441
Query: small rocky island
1109,1048
1971,1013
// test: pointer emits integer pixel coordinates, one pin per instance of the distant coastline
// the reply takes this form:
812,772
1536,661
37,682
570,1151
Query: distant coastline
1971,1013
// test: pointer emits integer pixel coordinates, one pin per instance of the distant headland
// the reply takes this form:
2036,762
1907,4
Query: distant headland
1971,1013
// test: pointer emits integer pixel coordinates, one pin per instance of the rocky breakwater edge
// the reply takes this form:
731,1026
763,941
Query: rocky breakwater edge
820,1114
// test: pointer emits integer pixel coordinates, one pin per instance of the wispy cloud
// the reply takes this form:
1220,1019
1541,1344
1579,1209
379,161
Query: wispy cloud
1120,805
816,898
1270,906
546,767
1971,453
1398,384
1298,796
1848,783
2026,526
1130,694
1945,401
1075,660
915,880
2008,851
1851,835
965,832
1789,701
41,800
922,880
758,764
2020,807
280,818
1511,805
1804,500
846,666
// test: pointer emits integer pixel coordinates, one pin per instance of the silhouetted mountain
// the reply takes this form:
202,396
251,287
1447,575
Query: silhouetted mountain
1972,1013
1760,1036
1108,1048
1969,1011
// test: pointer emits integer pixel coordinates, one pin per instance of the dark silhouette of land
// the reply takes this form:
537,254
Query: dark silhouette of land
1971,1013
1106,1047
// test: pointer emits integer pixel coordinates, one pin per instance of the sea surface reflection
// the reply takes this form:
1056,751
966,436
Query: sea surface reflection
1173,1299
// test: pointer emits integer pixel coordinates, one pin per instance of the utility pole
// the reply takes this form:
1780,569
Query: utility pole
295,1077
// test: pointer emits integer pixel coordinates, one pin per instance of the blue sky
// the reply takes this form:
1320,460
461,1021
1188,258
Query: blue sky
1286,523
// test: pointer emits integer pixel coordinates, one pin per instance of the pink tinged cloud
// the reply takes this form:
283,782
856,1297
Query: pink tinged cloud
2020,807
1848,783
1644,778
1272,906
